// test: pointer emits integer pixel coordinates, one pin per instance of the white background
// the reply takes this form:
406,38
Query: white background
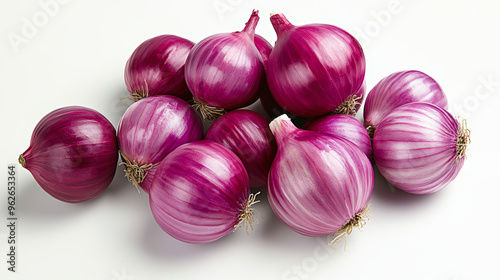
76,56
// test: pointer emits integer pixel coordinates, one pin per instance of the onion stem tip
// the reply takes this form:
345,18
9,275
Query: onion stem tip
22,161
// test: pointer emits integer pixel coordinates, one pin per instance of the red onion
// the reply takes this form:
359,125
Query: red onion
201,193
157,67
225,71
345,127
420,148
72,154
318,183
314,69
397,89
264,48
149,130
247,134
274,110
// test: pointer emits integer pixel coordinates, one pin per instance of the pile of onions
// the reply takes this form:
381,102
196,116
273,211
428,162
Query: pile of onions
225,71
157,67
247,134
318,184
319,179
420,147
398,89
72,154
201,193
149,130
315,69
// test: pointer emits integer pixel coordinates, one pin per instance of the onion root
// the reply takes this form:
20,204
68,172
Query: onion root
248,214
463,139
349,106
209,113
359,220
22,161
143,92
135,172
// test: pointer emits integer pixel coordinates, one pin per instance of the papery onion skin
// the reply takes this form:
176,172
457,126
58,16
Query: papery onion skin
317,182
73,154
153,127
345,127
415,148
198,192
247,134
313,68
398,89
225,71
157,67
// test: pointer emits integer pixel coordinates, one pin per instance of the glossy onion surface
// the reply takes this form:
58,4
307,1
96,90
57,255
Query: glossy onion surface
420,148
199,192
157,67
150,129
317,182
72,154
247,134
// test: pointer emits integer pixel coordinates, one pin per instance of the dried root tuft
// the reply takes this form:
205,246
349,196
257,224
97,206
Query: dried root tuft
349,106
248,214
358,221
209,113
135,172
463,138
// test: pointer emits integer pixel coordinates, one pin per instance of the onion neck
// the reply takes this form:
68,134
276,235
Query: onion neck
280,23
281,127
251,24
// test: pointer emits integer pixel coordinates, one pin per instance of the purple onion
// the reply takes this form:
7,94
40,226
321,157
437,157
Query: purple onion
345,127
247,134
157,67
225,71
314,69
420,148
398,89
72,154
264,48
319,184
149,130
201,193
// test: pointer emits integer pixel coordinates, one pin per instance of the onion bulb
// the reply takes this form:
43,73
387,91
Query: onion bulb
72,154
319,184
420,147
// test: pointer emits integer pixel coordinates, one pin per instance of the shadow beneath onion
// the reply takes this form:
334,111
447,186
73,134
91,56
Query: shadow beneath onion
119,101
159,244
277,235
35,202
386,193
120,185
